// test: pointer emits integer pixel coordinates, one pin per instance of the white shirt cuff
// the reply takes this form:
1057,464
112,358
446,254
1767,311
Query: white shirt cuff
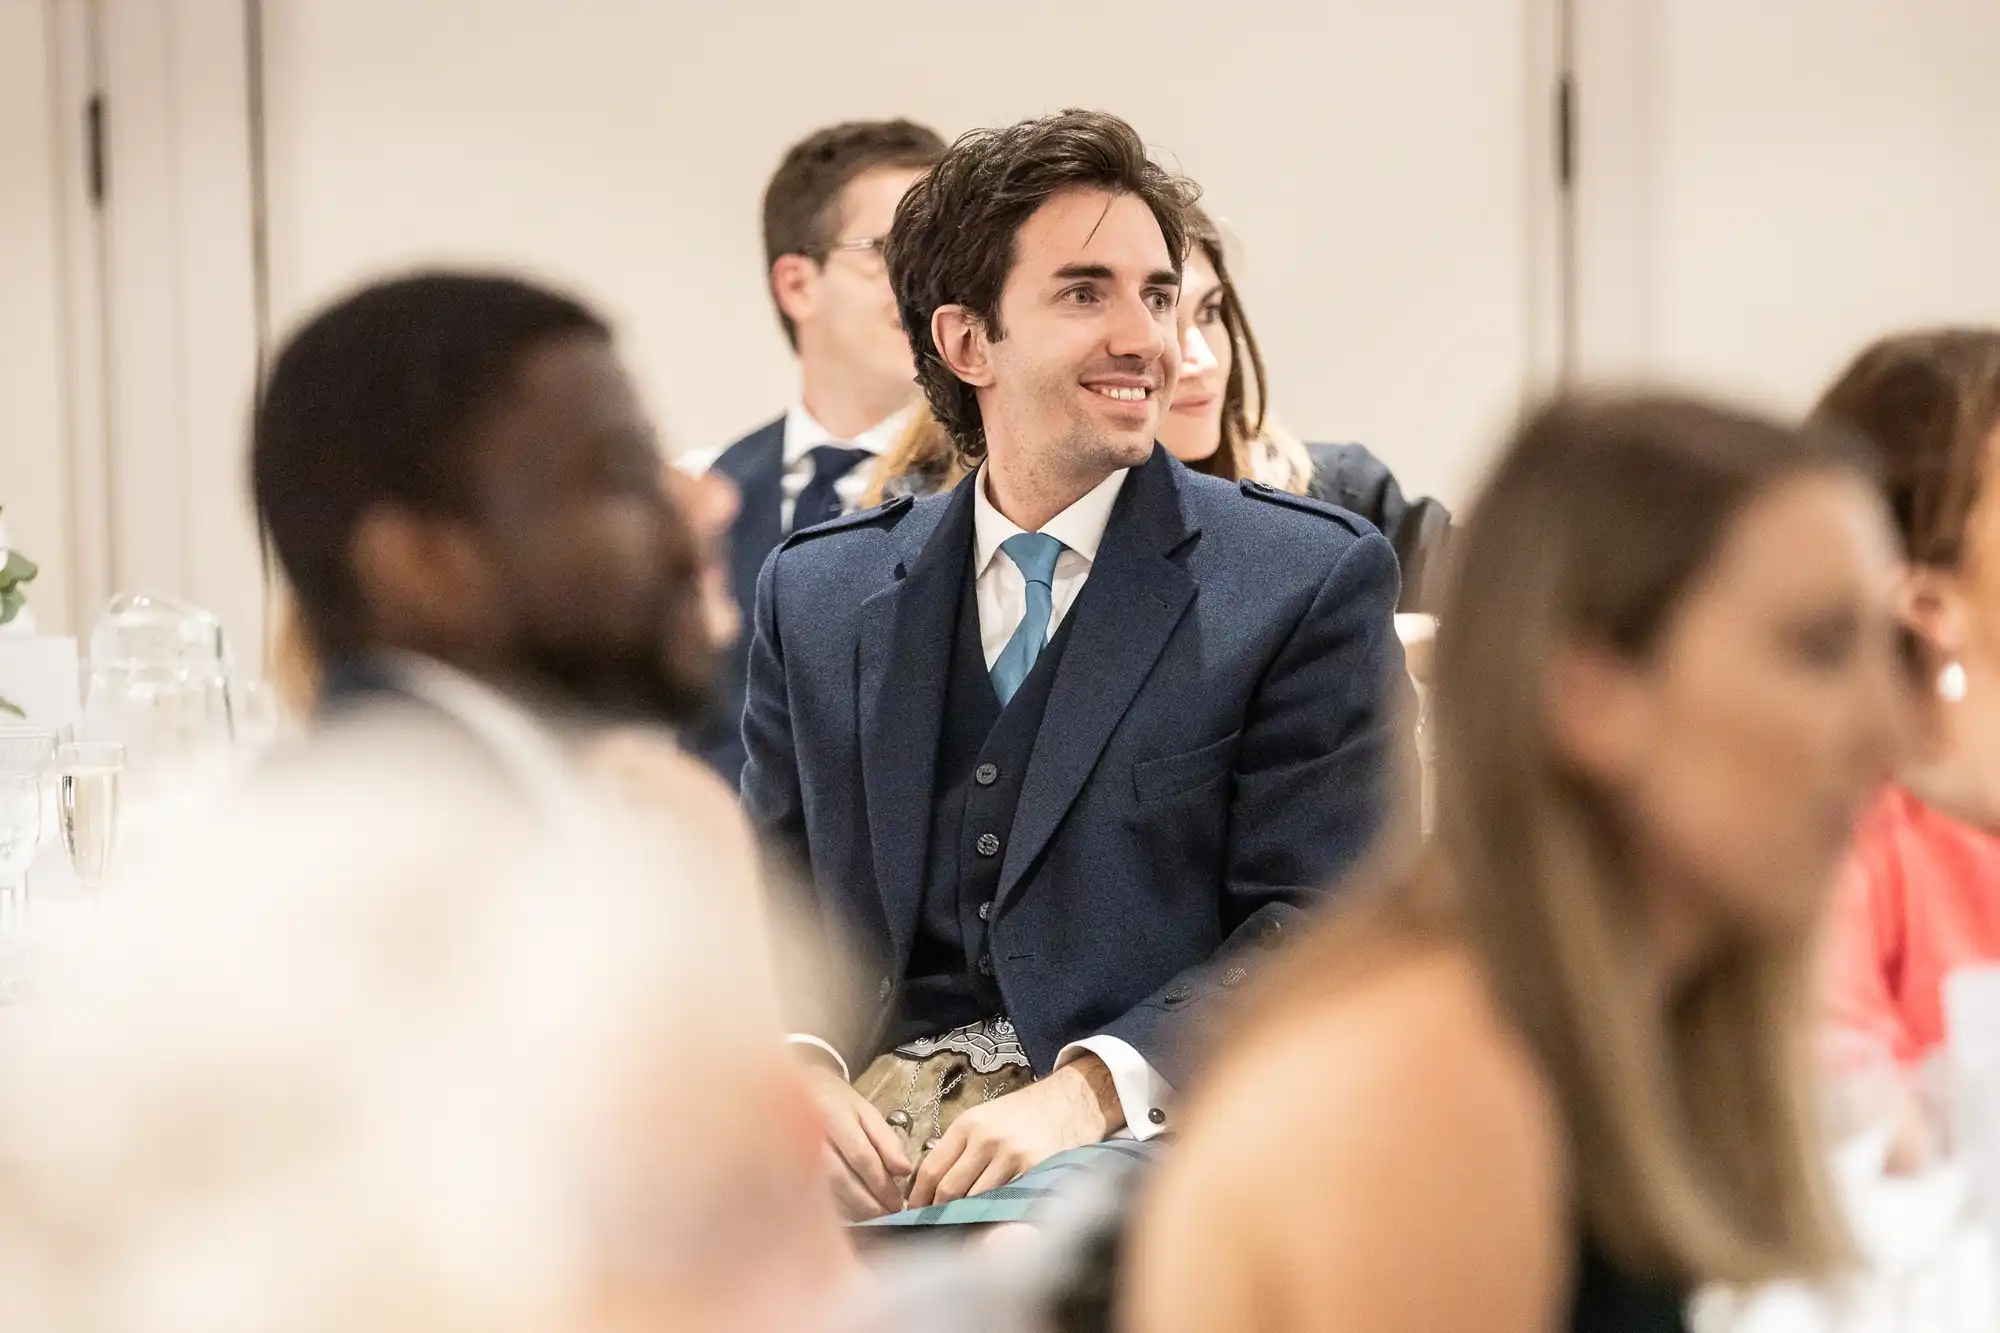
1142,1093
807,1039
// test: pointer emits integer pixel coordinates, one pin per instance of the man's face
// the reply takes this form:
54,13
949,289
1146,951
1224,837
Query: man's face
1088,356
849,310
593,578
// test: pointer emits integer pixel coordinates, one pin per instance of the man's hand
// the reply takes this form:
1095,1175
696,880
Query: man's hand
863,1155
991,1145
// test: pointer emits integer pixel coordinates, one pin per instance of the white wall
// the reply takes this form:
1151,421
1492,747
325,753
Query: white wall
128,330
1766,186
1378,162
34,435
180,318
1763,187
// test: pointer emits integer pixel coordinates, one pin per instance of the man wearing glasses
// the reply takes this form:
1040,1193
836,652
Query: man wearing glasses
826,210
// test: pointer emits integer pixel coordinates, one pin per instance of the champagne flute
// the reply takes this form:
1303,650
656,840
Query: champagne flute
89,776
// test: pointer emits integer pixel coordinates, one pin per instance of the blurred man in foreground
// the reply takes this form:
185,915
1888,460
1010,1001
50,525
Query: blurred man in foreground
471,511
433,1026
468,502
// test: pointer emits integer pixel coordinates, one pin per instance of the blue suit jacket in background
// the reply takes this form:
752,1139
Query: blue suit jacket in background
756,464
1221,743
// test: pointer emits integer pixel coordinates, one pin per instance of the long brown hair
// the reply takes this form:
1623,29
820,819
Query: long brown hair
1930,402
1693,1141
1247,390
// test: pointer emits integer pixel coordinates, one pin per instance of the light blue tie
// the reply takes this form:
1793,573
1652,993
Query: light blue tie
1034,554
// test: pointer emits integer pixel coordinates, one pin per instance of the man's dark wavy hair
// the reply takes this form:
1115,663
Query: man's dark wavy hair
953,240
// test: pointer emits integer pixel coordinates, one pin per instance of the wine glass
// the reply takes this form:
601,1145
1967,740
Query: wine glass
38,742
255,716
88,777
25,753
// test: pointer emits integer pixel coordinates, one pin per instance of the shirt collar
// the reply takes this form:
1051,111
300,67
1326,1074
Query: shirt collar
527,749
1079,527
803,433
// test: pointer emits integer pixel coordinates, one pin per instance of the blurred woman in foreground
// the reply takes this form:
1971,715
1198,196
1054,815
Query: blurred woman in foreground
1551,1076
1921,898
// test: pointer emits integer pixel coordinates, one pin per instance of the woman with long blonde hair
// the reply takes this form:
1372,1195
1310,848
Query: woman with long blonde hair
1551,1075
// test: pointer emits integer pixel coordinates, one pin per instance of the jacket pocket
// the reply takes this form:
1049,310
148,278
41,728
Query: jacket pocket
1177,774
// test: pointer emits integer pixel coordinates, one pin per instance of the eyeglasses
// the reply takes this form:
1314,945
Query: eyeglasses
868,247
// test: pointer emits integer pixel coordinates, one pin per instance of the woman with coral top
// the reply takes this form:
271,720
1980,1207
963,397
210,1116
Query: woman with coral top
1921,894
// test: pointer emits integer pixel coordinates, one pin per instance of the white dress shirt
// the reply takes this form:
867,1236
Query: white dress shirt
803,434
998,584
1002,595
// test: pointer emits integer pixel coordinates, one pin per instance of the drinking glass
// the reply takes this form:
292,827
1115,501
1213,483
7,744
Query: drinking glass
21,833
88,778
255,718
31,742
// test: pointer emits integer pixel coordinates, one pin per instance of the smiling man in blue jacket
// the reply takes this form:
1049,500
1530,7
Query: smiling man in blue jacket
1060,754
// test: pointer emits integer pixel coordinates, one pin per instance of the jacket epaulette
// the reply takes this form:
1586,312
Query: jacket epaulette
887,509
1258,490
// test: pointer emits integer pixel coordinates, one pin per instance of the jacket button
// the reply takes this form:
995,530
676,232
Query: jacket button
985,965
1271,934
1178,995
1235,976
988,844
1157,1116
986,774
986,911
884,991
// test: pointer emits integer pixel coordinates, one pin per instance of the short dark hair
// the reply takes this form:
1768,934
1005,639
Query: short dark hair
953,242
376,401
805,189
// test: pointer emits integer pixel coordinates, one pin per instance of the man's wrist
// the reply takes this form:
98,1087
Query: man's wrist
813,1053
1099,1090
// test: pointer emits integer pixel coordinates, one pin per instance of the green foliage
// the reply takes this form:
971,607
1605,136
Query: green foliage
18,570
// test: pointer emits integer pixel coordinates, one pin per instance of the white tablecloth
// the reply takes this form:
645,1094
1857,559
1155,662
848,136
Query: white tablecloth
1931,1262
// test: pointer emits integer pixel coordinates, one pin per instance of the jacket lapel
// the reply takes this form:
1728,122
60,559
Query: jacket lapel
1128,608
905,661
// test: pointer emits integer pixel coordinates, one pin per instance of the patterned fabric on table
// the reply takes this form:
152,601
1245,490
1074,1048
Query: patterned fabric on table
1031,1194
